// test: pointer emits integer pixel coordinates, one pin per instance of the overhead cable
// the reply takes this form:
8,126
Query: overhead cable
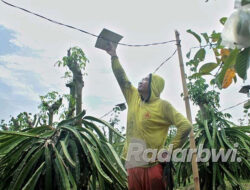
84,31
235,105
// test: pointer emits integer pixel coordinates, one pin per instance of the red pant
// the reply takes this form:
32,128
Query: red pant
146,178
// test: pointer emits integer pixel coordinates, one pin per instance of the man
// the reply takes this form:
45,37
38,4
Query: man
148,120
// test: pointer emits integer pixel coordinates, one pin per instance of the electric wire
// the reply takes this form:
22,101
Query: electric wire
231,107
107,113
165,61
84,31
97,36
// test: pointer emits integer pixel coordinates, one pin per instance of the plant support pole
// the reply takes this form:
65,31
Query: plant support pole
188,111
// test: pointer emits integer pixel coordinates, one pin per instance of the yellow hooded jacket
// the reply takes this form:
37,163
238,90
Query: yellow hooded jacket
150,120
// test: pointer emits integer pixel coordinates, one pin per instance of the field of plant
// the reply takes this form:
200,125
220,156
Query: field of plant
62,147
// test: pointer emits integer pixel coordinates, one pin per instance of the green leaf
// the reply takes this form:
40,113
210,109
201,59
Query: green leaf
19,168
48,173
243,63
19,134
104,123
242,128
188,54
11,143
38,130
225,139
105,155
77,169
240,133
208,134
214,175
214,132
113,153
13,156
92,126
247,163
212,82
245,2
115,175
207,68
200,55
205,36
30,185
220,140
195,35
66,153
72,181
27,168
216,37
93,182
192,62
223,20
196,75
92,153
101,181
72,120
220,178
62,171
230,176
98,164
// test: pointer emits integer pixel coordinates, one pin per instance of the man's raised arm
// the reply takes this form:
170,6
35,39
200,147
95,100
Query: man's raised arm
121,77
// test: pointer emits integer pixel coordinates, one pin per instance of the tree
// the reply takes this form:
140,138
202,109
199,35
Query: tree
50,105
213,130
75,61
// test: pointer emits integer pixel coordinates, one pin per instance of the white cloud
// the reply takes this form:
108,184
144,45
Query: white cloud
139,21
18,87
42,67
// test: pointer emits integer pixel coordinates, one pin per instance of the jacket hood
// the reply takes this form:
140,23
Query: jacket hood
156,86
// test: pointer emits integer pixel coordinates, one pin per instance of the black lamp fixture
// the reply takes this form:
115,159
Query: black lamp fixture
246,90
121,106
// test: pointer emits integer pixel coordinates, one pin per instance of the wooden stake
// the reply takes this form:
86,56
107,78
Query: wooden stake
188,111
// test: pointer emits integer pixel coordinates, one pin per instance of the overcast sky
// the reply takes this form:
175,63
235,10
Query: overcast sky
29,47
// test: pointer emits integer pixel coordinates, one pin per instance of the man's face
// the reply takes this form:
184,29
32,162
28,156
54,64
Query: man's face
143,85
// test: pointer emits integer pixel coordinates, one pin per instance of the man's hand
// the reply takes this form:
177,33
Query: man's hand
111,50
